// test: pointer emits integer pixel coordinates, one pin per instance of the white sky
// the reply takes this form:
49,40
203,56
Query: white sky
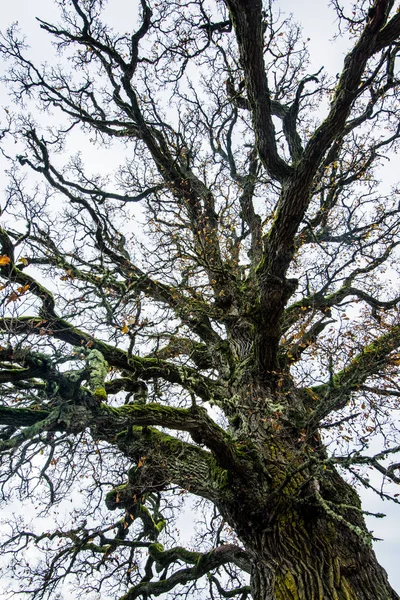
319,24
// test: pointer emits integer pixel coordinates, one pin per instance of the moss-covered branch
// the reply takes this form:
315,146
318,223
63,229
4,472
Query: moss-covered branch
163,460
194,420
21,417
203,564
42,372
373,359
143,368
32,425
164,558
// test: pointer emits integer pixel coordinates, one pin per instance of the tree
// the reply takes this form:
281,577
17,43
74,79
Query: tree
217,318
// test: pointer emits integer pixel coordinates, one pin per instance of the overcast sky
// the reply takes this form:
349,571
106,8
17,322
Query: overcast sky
319,24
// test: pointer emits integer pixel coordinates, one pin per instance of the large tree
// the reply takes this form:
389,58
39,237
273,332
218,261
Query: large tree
216,317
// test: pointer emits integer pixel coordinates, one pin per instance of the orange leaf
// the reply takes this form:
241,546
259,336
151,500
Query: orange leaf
23,288
141,461
4,260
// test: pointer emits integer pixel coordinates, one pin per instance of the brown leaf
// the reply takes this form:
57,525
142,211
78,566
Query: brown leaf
12,297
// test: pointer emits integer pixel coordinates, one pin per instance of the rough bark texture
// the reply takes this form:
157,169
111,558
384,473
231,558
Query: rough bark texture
301,523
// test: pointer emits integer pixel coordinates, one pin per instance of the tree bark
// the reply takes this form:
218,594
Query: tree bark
302,524
303,553
312,559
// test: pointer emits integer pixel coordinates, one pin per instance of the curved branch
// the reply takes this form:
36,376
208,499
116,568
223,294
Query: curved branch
205,563
194,420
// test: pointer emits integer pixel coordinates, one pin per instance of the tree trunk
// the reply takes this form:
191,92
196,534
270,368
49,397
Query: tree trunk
299,520
306,560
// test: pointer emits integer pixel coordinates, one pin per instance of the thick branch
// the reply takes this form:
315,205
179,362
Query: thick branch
246,17
194,420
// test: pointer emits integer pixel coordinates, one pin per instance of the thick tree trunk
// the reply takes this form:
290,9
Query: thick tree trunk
301,560
307,554
302,523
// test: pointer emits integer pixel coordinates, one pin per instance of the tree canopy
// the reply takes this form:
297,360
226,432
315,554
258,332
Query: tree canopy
207,323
